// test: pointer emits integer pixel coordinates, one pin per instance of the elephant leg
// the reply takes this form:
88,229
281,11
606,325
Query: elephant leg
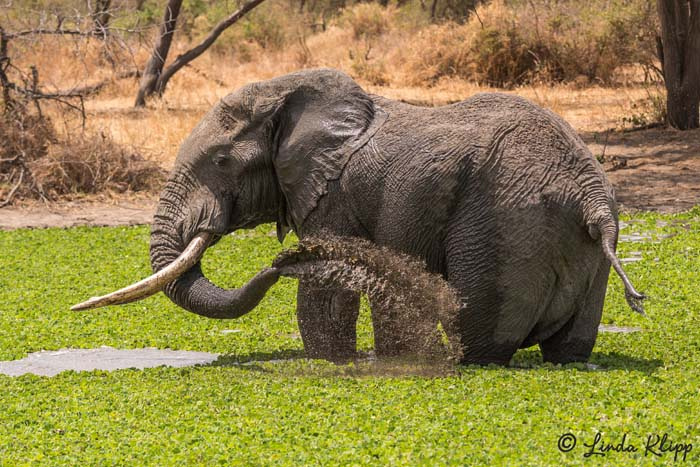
575,340
327,321
473,255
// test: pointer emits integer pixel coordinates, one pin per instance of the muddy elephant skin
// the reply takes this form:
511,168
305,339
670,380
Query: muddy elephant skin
496,194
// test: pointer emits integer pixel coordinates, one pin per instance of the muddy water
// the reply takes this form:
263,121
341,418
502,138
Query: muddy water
50,363
611,328
413,310
632,235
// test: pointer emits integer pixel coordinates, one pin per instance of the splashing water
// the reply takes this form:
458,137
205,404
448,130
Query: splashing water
414,310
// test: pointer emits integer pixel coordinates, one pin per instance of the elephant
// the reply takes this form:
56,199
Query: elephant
495,194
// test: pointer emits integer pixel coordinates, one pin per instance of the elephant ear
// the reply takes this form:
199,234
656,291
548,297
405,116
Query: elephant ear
324,118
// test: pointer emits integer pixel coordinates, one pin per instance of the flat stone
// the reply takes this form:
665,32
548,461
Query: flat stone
634,238
618,329
633,259
52,362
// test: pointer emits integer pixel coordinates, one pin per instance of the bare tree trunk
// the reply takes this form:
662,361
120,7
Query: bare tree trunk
433,7
199,49
101,16
154,67
680,60
7,100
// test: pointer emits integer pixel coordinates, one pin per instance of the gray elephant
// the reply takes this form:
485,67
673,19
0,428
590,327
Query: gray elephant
497,195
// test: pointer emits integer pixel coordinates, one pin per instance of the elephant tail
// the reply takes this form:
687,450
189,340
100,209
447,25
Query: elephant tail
607,231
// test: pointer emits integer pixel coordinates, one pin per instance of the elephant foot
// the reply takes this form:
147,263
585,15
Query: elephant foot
488,354
571,352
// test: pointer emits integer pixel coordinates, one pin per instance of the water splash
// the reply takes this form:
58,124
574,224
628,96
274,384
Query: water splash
416,309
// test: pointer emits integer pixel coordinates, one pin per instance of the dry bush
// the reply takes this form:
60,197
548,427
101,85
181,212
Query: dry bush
439,51
363,67
269,27
488,49
647,112
373,72
95,163
507,44
25,139
35,164
591,39
23,136
415,309
367,20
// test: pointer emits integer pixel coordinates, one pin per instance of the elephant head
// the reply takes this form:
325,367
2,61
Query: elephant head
264,153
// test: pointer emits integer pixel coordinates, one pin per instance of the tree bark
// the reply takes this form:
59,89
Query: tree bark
200,48
680,59
4,80
154,67
101,17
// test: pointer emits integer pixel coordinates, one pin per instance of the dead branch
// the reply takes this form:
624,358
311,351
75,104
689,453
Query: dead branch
205,75
36,95
157,81
91,89
52,32
11,195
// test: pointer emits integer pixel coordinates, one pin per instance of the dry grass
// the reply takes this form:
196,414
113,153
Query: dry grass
159,129
371,44
35,163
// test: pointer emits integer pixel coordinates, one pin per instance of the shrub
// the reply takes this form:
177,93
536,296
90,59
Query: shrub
488,48
373,72
647,112
440,51
511,43
367,20
502,57
95,163
35,164
268,27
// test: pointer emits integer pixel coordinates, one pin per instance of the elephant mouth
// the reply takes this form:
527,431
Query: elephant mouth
157,281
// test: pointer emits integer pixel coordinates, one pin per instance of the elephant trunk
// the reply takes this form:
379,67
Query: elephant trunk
177,271
192,290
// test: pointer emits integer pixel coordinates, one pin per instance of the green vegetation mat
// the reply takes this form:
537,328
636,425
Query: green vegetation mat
302,412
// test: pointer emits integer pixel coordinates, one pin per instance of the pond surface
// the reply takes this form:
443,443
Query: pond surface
52,362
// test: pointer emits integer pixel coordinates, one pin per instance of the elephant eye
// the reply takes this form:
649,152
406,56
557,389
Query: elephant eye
220,159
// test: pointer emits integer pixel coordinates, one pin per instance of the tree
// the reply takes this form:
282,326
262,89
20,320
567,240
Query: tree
679,52
155,79
101,16
154,67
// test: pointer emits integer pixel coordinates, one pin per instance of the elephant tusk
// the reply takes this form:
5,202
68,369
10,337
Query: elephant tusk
156,282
